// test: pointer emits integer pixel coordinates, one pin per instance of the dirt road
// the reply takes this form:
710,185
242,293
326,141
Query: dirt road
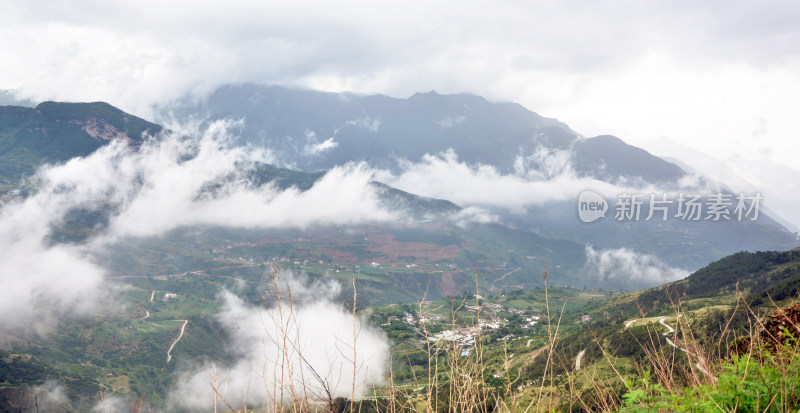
183,328
671,330
503,277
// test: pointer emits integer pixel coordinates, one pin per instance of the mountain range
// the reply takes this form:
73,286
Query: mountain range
382,130
435,252
397,135
311,131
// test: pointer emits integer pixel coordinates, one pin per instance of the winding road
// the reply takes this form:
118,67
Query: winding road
671,330
180,335
147,312
699,363
663,322
503,277
183,328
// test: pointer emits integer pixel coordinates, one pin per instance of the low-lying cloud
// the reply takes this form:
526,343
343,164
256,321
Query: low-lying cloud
321,147
540,178
368,123
305,351
169,183
472,215
42,282
625,268
210,189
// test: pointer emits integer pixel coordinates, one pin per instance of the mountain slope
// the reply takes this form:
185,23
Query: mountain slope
762,277
607,158
418,206
56,132
379,129
315,131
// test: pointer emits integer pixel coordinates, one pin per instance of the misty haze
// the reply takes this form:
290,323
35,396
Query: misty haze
384,208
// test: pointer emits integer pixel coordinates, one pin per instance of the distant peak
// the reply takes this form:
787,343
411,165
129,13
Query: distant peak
64,108
431,93
608,139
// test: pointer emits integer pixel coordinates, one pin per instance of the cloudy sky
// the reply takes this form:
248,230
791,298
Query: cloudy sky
711,82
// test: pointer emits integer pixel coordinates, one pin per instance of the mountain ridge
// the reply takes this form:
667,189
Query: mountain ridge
55,132
686,245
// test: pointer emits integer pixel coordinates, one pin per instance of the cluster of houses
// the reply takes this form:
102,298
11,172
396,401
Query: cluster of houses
464,337
495,322
409,319
425,318
375,264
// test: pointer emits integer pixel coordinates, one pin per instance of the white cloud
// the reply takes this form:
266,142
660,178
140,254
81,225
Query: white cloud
318,148
705,74
111,403
304,351
445,176
172,192
450,121
42,282
168,184
543,163
625,268
777,183
472,215
50,396
372,125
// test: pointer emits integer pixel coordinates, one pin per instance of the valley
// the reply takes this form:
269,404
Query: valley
183,259
399,207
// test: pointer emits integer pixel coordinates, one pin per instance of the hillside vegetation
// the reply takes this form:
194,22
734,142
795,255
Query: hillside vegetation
55,132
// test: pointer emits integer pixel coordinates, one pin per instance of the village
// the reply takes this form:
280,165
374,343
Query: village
492,319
